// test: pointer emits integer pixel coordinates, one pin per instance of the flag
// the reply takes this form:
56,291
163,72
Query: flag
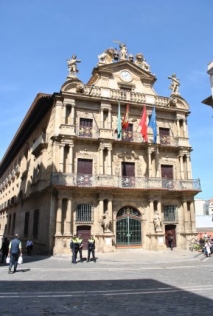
119,128
153,125
143,125
125,122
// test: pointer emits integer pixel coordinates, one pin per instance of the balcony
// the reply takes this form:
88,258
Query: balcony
39,144
104,181
118,94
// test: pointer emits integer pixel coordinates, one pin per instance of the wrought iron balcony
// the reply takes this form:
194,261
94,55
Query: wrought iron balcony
85,180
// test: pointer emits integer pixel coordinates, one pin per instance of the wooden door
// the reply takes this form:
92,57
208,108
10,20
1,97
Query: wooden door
85,232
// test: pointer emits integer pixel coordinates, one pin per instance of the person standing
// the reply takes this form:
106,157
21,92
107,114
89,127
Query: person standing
15,250
74,246
29,247
4,249
91,248
80,248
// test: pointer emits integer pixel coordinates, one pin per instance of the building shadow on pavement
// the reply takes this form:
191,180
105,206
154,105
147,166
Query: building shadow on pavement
112,297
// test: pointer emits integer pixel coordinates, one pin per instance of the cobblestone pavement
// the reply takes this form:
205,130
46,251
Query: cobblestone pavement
126,282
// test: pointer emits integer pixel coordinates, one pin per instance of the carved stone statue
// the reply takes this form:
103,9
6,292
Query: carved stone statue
123,50
106,57
80,87
174,84
106,221
141,62
158,222
72,65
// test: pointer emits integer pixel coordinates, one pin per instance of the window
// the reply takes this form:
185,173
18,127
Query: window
127,133
170,214
167,176
35,223
84,170
84,213
85,127
128,174
26,223
164,136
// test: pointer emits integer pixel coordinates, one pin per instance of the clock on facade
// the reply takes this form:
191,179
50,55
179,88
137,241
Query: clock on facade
126,75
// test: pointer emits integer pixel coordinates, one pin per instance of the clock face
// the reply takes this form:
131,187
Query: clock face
126,75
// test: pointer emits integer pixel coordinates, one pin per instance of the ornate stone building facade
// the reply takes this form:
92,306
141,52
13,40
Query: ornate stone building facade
70,169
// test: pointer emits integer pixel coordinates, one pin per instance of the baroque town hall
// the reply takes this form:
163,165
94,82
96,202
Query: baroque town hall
110,158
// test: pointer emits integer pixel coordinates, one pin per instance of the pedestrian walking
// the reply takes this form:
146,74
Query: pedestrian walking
80,247
170,239
74,246
29,246
208,248
91,248
4,249
15,250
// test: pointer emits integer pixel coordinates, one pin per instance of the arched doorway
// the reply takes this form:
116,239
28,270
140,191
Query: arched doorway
128,227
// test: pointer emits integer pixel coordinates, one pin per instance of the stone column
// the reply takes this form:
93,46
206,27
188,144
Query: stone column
72,113
71,158
110,212
149,161
64,112
101,167
186,217
188,162
102,118
59,218
192,213
184,128
151,216
109,167
181,166
178,127
109,119
61,162
67,230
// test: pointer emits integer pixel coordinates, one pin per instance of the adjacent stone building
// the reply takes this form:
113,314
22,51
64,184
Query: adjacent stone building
81,162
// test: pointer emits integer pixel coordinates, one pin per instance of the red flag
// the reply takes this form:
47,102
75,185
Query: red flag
125,122
143,124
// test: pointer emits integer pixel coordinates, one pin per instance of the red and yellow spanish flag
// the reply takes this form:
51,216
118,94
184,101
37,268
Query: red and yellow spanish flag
125,121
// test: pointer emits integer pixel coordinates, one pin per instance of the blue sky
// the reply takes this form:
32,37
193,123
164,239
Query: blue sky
174,36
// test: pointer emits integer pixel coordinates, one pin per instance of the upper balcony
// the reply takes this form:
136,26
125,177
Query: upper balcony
104,181
39,144
119,94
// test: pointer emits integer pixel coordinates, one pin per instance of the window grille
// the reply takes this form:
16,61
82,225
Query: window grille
84,213
170,213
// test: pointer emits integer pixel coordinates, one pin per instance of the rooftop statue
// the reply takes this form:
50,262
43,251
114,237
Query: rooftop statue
123,50
72,65
141,62
174,84
106,57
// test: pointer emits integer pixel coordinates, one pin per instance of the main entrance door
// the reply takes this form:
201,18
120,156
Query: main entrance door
128,227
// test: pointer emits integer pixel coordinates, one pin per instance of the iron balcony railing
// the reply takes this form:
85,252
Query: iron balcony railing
89,180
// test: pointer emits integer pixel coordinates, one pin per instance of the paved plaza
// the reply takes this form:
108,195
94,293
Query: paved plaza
127,282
